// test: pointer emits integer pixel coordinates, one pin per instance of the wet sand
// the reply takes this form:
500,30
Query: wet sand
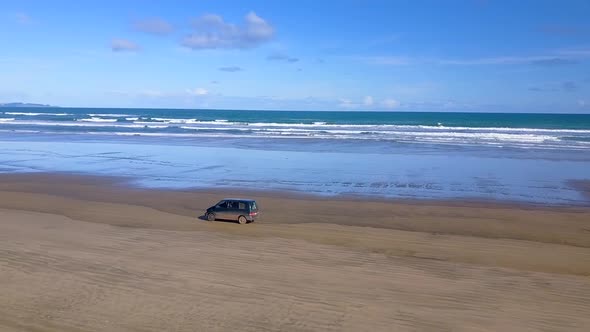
82,253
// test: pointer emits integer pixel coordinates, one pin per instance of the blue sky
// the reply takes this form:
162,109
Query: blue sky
463,55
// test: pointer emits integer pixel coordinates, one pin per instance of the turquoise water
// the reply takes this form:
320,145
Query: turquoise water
514,157
478,120
544,131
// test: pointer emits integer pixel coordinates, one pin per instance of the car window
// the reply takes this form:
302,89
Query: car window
242,206
253,206
231,205
222,204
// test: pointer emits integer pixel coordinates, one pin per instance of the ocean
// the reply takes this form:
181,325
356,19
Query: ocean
536,158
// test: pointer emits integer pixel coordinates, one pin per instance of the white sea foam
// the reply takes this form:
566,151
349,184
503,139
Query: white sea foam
72,124
20,131
36,114
527,142
221,135
464,132
479,136
171,120
524,145
364,127
190,127
188,121
96,119
573,131
414,127
115,115
213,128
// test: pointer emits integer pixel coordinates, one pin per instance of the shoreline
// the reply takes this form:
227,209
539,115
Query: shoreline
425,175
492,220
131,183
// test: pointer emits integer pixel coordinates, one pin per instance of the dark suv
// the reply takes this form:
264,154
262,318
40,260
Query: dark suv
241,210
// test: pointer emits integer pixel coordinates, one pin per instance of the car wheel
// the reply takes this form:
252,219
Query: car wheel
211,216
242,220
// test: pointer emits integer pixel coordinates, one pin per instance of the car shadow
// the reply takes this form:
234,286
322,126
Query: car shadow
204,218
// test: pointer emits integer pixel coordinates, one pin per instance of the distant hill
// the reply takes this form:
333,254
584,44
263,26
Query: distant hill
24,105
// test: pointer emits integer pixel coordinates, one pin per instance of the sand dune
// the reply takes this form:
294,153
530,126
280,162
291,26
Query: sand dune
88,254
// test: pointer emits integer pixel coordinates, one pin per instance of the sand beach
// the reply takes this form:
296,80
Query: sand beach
81,253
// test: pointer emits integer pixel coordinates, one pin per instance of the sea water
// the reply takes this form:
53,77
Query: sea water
515,157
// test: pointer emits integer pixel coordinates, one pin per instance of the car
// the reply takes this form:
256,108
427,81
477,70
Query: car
238,209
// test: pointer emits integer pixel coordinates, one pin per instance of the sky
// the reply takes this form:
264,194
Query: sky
454,55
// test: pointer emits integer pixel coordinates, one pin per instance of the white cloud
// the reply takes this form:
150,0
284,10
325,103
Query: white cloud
212,32
390,103
347,103
547,60
156,26
152,94
124,45
197,92
281,57
368,102
498,60
231,69
556,57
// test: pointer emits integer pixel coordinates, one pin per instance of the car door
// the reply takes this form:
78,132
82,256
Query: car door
231,212
242,209
221,210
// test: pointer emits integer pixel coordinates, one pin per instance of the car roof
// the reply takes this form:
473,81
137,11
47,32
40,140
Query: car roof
238,199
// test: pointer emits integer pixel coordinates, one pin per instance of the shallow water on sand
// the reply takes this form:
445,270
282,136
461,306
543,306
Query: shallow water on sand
325,167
